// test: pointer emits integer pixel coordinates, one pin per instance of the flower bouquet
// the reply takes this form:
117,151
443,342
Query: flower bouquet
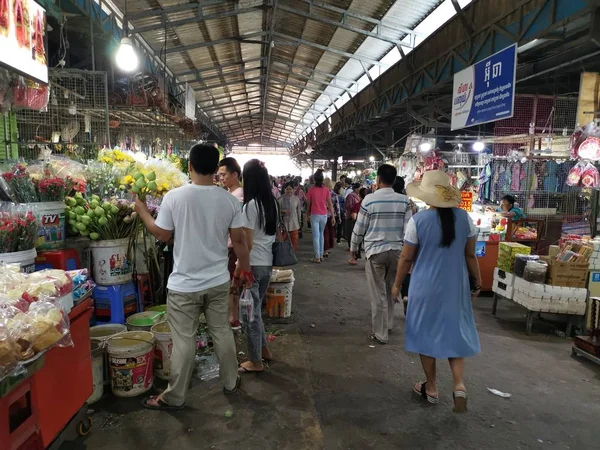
104,180
18,231
51,188
21,185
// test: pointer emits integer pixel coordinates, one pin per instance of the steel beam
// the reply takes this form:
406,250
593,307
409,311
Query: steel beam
248,39
341,24
217,67
193,5
299,41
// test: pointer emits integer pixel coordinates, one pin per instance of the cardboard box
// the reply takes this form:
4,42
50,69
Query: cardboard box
507,251
568,274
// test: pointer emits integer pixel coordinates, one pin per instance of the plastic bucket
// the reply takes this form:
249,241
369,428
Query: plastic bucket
26,259
97,371
163,350
111,265
100,334
130,358
144,321
158,308
279,299
51,220
82,245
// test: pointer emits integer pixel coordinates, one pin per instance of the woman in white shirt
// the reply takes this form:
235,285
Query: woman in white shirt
260,214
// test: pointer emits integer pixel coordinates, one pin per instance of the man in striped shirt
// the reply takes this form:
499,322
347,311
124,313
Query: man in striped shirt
380,228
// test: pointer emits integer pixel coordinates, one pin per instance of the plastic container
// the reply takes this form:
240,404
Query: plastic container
246,307
51,219
65,259
144,321
158,308
26,259
102,333
82,246
111,265
279,299
163,350
130,357
97,371
140,262
115,303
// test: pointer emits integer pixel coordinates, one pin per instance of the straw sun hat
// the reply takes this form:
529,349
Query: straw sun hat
435,190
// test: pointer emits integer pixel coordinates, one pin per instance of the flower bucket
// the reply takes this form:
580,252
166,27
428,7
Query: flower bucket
111,265
51,219
26,259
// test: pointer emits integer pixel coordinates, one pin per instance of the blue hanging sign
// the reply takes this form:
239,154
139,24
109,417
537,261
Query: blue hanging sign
485,92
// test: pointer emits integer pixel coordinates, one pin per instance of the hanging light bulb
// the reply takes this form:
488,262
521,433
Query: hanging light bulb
127,59
371,158
425,146
478,146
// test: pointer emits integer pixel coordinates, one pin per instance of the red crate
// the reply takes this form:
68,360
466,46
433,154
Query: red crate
64,384
19,420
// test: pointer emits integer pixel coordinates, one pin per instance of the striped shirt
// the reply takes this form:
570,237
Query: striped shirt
381,222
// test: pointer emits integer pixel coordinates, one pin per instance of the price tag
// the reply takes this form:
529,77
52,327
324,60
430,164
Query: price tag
466,201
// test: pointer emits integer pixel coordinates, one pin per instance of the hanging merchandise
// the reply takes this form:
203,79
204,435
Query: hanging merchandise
590,149
576,173
590,177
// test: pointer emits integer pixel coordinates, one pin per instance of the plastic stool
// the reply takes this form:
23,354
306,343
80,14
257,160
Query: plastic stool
19,421
115,303
66,259
145,294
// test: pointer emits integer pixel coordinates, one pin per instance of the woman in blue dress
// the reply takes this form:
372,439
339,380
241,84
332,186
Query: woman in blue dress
439,244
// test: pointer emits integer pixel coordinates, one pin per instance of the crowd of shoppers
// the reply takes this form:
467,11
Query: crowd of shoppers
425,258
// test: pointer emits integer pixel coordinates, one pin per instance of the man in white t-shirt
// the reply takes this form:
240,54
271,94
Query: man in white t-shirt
200,216
230,176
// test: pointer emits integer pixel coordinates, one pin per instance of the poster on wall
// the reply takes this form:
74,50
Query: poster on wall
485,92
190,102
22,44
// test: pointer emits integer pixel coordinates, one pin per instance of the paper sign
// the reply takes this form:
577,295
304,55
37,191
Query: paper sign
466,201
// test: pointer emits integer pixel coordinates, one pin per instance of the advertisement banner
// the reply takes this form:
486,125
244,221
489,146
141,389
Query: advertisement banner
190,102
485,92
22,30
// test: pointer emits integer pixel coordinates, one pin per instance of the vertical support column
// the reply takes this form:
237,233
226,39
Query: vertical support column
334,168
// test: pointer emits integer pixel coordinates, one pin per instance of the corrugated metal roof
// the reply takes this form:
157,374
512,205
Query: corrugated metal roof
307,53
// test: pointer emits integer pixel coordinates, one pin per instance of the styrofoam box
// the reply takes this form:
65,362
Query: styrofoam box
66,302
500,288
550,299
504,277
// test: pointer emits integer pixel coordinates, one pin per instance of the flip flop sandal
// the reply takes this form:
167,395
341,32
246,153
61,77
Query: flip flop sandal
242,369
316,261
161,406
353,262
376,339
235,388
423,394
460,401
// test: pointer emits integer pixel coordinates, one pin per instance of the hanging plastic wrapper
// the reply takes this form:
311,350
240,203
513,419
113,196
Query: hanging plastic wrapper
590,149
28,94
19,229
576,173
590,177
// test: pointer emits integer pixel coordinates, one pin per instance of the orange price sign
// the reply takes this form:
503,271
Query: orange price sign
466,201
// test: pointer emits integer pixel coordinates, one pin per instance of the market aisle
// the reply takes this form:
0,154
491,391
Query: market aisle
330,390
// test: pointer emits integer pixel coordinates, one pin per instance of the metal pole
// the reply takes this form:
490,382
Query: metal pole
92,44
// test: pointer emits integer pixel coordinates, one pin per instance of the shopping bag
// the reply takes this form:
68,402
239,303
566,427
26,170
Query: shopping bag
283,251
246,307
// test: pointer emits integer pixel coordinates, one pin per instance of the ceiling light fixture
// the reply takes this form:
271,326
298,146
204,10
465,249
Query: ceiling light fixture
126,58
425,147
371,158
478,146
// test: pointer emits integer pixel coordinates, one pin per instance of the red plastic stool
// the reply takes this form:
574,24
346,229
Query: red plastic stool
66,259
19,421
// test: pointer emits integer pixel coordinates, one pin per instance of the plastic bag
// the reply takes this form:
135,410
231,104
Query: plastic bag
590,177
246,307
51,326
576,173
19,229
28,94
590,149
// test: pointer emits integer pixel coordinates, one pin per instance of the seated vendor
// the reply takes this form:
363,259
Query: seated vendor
509,209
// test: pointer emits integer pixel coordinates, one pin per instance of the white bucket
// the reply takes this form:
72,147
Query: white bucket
130,357
279,299
97,372
51,219
163,350
26,259
100,334
111,265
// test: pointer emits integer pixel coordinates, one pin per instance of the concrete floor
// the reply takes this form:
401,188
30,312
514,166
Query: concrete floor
330,390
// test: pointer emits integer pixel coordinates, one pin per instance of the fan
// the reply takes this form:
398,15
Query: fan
70,130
